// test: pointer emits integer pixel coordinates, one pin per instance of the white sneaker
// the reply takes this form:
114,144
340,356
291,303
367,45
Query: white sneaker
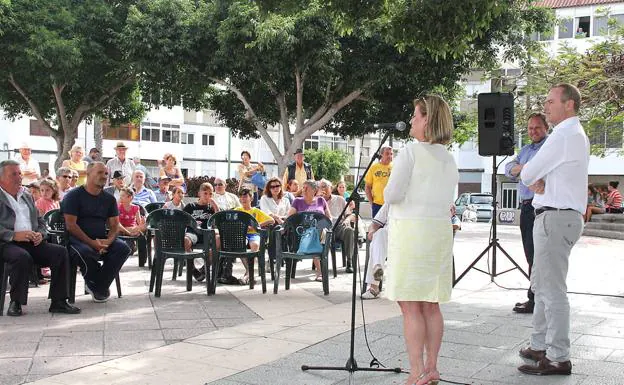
370,295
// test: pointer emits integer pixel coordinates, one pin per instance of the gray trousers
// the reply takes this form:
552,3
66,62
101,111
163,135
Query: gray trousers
554,235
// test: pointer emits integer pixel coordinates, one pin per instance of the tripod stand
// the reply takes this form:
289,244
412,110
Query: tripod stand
351,365
494,244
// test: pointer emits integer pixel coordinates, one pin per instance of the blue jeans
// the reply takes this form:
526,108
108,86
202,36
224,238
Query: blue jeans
375,208
99,277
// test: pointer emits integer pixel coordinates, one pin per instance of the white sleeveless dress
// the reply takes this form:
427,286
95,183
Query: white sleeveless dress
420,192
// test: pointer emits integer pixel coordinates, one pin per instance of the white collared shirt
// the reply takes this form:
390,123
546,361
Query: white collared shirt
562,163
21,209
32,166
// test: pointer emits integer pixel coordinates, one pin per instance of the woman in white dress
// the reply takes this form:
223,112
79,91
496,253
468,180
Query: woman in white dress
420,191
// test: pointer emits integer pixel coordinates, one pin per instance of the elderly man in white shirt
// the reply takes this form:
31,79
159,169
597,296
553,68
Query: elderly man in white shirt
558,175
29,166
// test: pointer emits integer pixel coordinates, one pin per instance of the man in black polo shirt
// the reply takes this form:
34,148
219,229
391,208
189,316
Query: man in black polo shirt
88,210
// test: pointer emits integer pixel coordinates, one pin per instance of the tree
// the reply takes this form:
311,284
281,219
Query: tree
310,64
62,62
328,164
599,75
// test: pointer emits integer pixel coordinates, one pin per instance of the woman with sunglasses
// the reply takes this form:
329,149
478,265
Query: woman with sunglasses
275,203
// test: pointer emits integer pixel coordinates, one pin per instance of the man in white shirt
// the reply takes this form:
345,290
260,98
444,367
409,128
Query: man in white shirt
558,175
22,240
121,163
343,232
30,167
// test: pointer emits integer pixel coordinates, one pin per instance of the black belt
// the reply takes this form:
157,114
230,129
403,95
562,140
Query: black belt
548,208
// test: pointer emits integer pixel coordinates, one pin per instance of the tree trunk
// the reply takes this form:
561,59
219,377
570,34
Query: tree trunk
98,134
65,139
59,138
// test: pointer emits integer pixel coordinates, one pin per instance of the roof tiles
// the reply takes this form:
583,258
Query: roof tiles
572,3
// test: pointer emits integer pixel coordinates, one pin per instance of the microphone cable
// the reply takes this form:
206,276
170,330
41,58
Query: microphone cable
375,362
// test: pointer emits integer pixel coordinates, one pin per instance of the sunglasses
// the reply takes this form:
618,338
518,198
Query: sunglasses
66,176
275,186
219,184
74,177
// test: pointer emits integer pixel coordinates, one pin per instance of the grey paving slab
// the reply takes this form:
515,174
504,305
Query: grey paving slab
15,366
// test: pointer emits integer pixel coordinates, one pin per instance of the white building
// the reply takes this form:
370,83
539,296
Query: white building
581,24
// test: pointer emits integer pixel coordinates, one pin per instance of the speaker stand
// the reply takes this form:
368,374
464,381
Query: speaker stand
494,245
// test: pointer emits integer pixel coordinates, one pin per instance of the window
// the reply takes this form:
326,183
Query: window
204,140
510,195
37,129
171,133
208,140
604,26
607,136
149,133
187,138
312,143
365,151
582,27
566,29
128,131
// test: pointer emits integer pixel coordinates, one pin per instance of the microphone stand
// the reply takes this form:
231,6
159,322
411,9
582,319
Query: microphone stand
351,365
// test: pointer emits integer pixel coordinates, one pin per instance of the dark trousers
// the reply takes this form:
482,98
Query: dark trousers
99,277
527,217
374,208
21,255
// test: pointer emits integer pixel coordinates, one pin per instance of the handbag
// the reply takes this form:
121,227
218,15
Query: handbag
259,180
310,242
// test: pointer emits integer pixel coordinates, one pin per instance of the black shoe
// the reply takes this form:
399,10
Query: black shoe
228,281
15,309
63,307
348,270
97,297
199,275
524,308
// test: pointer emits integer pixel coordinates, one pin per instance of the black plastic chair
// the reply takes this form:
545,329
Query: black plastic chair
169,229
149,234
57,233
291,232
233,227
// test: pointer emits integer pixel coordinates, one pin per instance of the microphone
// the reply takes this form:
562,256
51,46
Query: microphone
399,126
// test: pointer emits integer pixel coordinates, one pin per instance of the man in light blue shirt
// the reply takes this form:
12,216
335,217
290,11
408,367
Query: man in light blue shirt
537,130
142,195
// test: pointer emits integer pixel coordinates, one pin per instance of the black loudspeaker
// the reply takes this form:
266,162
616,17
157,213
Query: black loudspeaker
496,124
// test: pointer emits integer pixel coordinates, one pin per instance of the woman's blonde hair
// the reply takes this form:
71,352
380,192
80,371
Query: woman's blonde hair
439,118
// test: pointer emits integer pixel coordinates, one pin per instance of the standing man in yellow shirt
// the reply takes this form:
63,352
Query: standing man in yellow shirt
298,170
377,178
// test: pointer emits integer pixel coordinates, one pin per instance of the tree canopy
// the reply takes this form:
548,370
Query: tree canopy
62,62
313,64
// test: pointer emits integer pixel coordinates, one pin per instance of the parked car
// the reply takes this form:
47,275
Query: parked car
482,202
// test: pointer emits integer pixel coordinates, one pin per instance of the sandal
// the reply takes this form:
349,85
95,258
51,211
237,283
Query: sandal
244,281
319,278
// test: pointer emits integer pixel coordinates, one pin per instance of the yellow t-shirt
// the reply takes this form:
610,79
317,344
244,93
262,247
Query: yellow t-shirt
300,176
256,213
377,178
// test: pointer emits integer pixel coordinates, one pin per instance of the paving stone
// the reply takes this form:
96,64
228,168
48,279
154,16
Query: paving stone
11,379
79,343
125,347
17,349
54,365
181,334
14,366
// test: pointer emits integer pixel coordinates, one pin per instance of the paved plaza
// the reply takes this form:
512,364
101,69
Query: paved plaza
241,337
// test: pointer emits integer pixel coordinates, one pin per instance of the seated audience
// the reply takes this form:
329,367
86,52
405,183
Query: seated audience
310,202
63,178
162,194
594,203
77,164
131,222
23,234
201,211
171,170
117,185
177,195
73,182
341,189
49,199
142,195
291,189
88,210
343,231
614,198
226,201
274,202
253,238
35,190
